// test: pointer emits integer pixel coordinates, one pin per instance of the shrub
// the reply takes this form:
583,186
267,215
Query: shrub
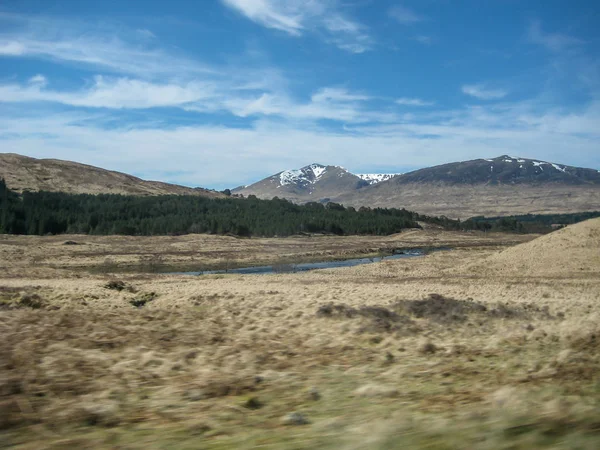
116,285
142,299
33,301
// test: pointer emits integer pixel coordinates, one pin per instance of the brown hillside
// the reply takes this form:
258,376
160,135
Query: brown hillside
568,252
24,173
464,201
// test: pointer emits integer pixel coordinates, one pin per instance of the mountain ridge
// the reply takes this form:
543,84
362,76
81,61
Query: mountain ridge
502,170
313,182
504,185
25,173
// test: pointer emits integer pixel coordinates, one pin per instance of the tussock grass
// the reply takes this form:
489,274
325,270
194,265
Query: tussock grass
364,355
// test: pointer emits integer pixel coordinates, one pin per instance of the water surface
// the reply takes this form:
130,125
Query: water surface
303,267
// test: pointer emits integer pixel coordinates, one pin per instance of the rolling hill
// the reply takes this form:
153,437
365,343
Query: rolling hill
25,173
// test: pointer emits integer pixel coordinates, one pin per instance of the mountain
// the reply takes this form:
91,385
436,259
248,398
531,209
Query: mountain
502,170
504,185
314,182
25,173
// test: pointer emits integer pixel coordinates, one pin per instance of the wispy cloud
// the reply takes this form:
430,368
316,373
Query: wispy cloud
145,33
295,17
405,101
482,92
422,39
332,103
404,15
338,94
280,15
139,76
12,48
120,93
253,152
259,111
552,41
37,80
90,46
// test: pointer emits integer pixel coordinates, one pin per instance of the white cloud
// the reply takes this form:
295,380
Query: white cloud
281,129
404,15
404,101
332,103
11,48
295,17
337,94
145,33
481,92
93,46
110,93
37,80
112,54
280,15
329,103
337,23
149,77
197,154
552,41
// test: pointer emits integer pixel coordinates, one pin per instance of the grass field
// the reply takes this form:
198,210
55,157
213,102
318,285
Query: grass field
460,349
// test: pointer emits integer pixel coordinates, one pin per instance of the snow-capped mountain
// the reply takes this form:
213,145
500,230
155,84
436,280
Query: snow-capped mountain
504,185
503,170
314,182
499,186
312,173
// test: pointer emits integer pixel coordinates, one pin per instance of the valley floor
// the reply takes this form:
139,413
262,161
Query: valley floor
432,352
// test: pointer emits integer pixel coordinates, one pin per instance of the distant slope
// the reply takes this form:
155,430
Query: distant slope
571,251
314,182
503,170
491,187
25,173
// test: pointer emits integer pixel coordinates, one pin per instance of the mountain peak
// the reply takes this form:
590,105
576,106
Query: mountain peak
306,175
314,182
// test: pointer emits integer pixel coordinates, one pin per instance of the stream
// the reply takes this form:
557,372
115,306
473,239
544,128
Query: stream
303,267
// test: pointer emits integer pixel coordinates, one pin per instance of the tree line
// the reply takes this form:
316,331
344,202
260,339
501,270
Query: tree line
41,213
527,223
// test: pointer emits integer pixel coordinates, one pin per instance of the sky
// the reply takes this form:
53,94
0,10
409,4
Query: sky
220,93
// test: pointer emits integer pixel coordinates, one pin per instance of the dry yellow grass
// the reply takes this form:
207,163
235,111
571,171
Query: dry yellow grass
364,355
25,173
572,250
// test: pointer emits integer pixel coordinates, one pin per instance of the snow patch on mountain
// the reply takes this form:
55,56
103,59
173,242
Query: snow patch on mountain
540,164
307,175
290,177
314,172
374,178
317,170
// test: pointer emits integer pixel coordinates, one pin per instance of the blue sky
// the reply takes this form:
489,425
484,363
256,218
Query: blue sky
218,93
